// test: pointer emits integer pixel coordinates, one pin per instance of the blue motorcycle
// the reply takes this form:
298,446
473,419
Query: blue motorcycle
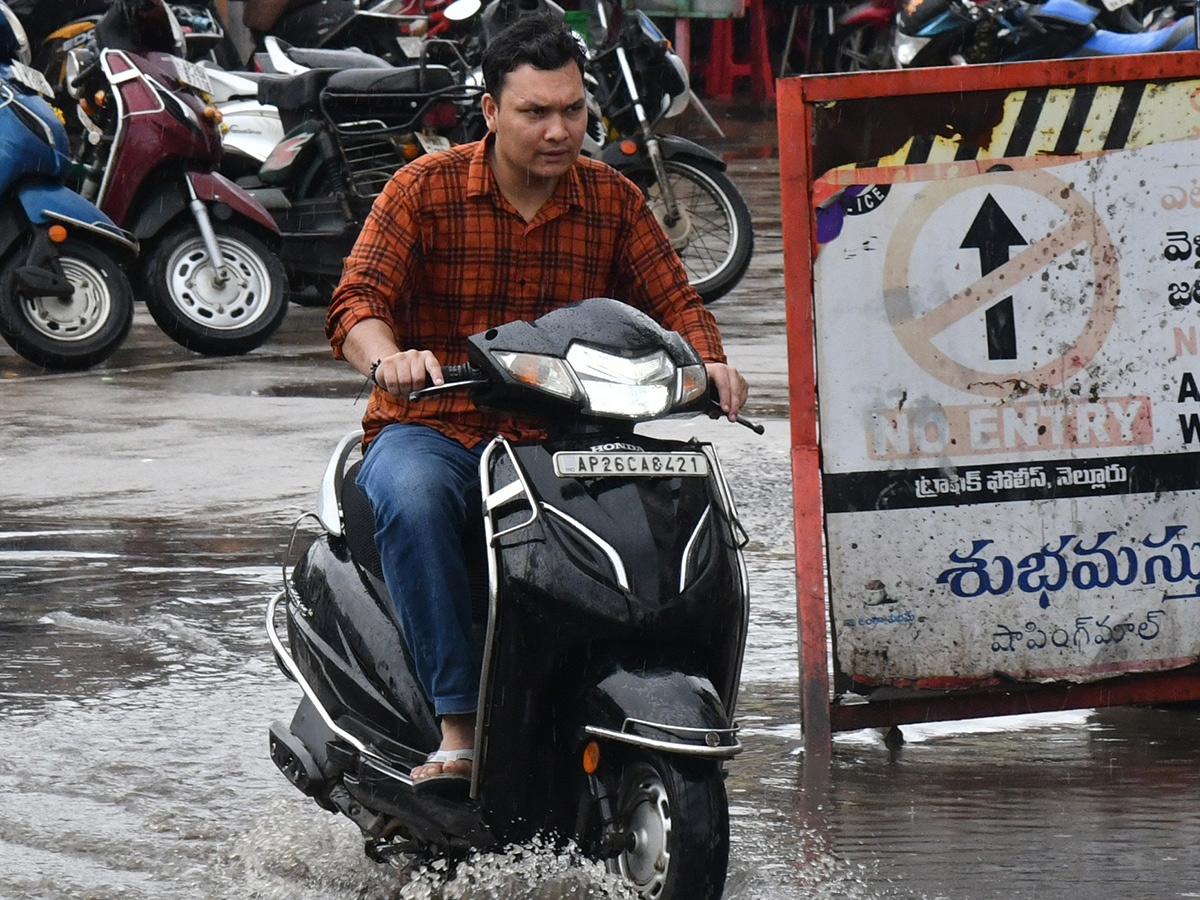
65,301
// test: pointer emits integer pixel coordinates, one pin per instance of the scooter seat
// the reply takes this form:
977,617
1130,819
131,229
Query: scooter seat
317,58
403,80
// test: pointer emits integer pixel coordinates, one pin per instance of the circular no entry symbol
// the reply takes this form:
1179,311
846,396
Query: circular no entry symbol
1006,261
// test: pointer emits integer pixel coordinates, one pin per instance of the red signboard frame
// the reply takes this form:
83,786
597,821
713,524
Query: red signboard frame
822,713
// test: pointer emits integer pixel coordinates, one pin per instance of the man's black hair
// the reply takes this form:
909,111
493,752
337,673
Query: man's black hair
544,42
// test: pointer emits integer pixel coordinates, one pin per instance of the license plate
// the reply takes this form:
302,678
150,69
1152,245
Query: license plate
432,143
32,79
192,75
1114,5
572,464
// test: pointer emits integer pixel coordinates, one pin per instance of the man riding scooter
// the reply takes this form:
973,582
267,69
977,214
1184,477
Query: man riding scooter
506,228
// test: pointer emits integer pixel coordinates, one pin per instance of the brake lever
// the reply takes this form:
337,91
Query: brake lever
741,420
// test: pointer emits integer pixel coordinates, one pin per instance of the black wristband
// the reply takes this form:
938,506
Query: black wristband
371,374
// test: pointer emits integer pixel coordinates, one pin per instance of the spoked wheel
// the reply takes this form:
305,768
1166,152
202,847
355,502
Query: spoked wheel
676,819
204,312
73,332
713,236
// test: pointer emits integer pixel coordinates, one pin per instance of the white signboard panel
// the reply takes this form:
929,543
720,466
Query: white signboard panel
1007,365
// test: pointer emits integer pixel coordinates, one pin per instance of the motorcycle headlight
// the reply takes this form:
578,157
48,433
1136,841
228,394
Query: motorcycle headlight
680,100
906,47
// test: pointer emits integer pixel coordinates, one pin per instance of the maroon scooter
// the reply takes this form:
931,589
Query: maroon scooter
208,272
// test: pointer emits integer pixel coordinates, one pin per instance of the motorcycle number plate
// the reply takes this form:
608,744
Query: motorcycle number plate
32,79
1114,5
630,464
192,75
433,143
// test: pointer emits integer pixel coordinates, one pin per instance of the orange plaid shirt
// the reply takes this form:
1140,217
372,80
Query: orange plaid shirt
443,255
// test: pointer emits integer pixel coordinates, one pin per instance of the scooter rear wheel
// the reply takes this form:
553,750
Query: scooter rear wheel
70,333
677,818
201,312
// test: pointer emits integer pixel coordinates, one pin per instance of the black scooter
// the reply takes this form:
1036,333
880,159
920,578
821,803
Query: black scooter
611,604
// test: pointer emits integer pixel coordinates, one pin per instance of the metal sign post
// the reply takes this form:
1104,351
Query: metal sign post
993,278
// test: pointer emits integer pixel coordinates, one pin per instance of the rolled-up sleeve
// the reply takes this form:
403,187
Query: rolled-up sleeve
377,275
660,283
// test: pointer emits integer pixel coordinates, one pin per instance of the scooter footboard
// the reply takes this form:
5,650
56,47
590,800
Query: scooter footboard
660,709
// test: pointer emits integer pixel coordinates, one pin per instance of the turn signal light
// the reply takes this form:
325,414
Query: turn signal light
211,112
629,148
100,98
57,233
411,151
591,758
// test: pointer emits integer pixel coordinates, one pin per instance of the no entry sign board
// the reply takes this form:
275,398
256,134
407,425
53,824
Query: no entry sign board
998,272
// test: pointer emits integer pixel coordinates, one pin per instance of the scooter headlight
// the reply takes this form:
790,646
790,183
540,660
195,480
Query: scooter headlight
605,384
640,387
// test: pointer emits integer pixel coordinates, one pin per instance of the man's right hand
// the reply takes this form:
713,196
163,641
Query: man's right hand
406,371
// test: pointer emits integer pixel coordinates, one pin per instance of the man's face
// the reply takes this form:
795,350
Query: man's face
539,120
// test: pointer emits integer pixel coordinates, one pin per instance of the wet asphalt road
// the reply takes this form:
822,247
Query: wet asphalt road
146,508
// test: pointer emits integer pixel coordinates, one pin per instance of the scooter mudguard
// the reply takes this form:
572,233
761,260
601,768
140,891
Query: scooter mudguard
632,154
48,203
659,709
213,187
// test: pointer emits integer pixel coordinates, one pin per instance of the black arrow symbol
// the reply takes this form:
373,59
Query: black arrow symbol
992,233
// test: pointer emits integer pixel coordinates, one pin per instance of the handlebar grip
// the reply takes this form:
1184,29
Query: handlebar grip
455,374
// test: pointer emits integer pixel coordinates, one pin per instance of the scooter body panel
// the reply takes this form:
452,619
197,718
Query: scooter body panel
157,126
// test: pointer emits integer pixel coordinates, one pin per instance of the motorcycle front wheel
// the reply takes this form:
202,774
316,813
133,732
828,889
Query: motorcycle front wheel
676,819
68,333
714,236
203,312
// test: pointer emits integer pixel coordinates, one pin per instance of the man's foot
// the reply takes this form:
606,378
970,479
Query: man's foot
450,765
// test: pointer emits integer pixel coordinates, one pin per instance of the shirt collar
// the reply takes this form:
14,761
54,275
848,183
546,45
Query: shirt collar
481,181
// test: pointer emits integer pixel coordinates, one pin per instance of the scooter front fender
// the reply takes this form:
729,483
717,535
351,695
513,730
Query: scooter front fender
660,709
631,154
50,203
213,187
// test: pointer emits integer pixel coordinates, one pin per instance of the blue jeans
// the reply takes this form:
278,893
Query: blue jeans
424,490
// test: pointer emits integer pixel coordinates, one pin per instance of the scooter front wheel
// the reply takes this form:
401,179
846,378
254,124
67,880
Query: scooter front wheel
201,309
68,333
676,821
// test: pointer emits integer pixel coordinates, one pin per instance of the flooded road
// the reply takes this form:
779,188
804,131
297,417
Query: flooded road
147,509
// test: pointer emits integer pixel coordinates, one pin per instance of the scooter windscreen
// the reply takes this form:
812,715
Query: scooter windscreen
597,358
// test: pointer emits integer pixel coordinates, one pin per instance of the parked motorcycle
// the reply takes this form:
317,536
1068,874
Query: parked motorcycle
852,37
65,302
374,26
611,599
955,32
209,272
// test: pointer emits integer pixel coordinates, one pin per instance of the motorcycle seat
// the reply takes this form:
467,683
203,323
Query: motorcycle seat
294,92
404,80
